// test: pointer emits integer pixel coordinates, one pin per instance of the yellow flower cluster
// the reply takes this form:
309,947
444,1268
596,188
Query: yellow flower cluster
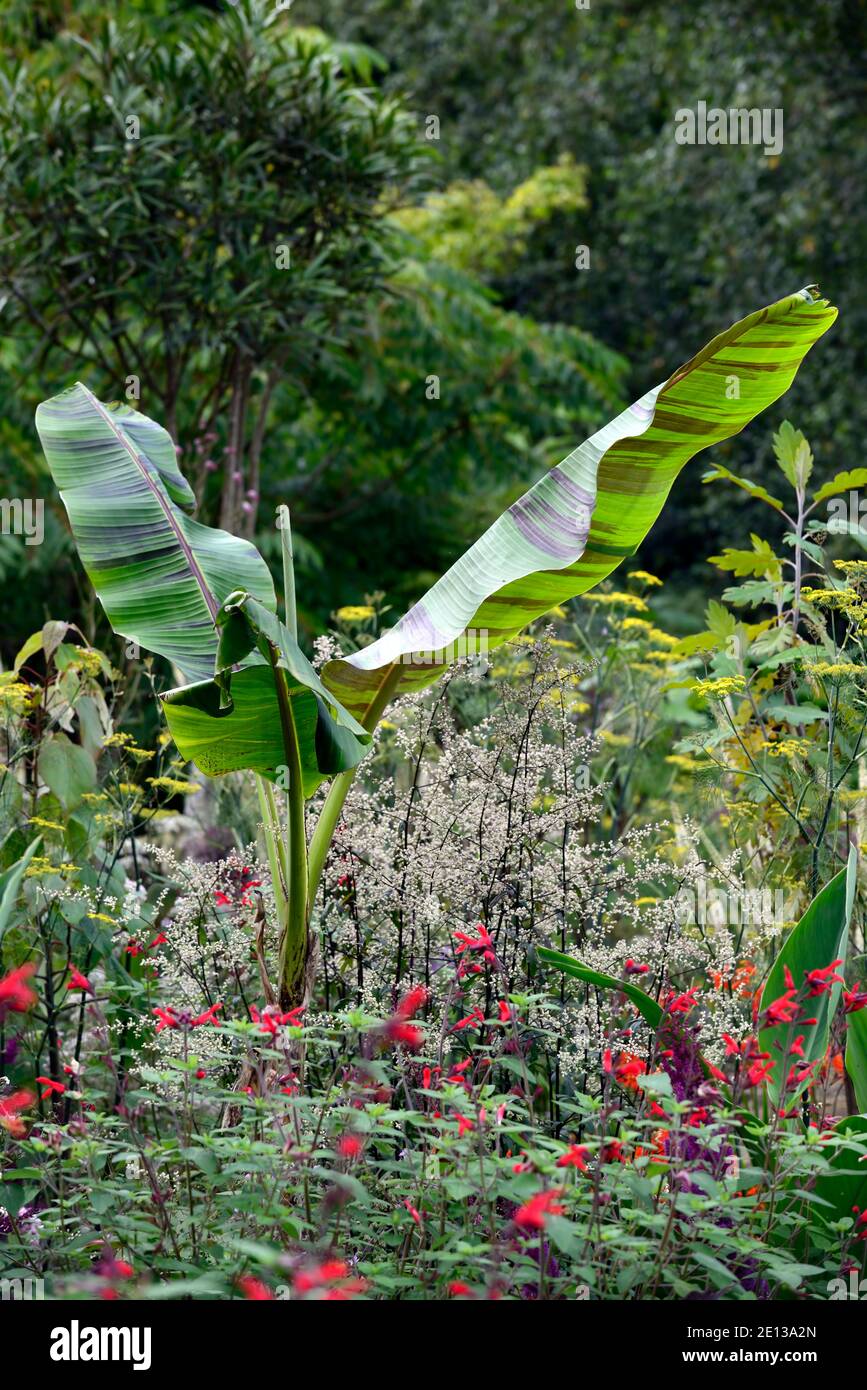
176,786
836,668
355,613
15,695
720,687
623,600
128,744
788,748
644,578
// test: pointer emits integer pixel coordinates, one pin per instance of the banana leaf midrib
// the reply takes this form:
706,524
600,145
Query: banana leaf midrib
161,499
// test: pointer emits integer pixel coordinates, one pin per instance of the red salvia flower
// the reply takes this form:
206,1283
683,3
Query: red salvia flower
79,981
533,1214
785,1009
574,1157
682,1003
9,1108
56,1086
411,1002
632,967
16,995
760,1070
166,1018
470,1021
253,1289
209,1016
349,1146
628,1070
821,981
854,1000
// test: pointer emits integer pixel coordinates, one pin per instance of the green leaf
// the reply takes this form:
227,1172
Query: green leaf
592,510
650,1011
850,480
67,769
235,721
159,575
793,454
856,1055
818,939
760,561
845,1186
754,489
10,882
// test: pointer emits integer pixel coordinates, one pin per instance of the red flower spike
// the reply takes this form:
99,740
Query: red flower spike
79,981
15,994
533,1214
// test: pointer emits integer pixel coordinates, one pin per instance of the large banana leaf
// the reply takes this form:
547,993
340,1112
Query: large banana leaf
819,938
593,509
237,720
160,575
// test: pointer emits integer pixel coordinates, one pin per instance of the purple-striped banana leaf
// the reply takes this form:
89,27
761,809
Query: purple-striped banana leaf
592,510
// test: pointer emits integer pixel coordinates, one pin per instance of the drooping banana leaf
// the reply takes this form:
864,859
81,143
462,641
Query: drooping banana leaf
818,939
592,510
262,679
160,575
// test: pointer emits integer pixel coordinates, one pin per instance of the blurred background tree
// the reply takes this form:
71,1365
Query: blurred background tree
487,218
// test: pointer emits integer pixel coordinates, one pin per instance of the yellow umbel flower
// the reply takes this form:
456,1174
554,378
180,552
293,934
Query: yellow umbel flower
644,578
720,687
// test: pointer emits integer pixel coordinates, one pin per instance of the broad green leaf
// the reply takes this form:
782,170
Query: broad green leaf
235,722
10,882
66,769
650,1011
845,1186
754,489
590,511
856,1055
159,575
793,454
818,939
851,480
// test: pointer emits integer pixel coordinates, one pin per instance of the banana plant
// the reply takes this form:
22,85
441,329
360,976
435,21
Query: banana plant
205,600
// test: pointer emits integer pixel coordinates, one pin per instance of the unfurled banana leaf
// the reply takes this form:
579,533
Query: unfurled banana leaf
817,940
160,576
240,718
592,510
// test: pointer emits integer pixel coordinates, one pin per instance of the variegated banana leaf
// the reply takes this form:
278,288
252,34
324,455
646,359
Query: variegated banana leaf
592,510
160,576
263,681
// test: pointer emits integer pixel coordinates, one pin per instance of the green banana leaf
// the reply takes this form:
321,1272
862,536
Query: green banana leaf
235,721
856,1055
592,510
160,575
819,938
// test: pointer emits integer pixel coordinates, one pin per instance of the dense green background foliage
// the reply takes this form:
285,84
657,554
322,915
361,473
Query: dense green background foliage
555,130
